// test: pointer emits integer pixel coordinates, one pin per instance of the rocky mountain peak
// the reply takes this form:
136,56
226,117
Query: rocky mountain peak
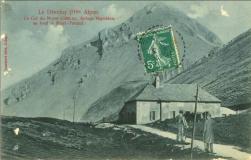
92,69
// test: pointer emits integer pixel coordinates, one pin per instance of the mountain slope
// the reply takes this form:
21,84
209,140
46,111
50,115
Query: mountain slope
226,73
107,107
88,71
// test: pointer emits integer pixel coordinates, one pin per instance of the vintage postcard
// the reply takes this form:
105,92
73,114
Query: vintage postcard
125,80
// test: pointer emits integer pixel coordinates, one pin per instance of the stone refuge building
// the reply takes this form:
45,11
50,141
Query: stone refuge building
151,104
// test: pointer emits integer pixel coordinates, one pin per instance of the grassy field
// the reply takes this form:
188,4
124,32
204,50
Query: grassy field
51,139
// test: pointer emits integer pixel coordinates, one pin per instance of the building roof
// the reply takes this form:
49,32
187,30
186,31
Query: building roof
174,93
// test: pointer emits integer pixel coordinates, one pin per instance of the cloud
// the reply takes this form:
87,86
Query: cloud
55,38
30,51
112,10
223,12
197,11
115,11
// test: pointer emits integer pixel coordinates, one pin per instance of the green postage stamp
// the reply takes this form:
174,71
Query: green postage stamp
159,49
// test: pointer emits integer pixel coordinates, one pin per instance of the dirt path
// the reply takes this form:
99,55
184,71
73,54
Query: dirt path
219,149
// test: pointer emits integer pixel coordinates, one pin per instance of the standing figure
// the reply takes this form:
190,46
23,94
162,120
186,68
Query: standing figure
155,51
208,134
181,124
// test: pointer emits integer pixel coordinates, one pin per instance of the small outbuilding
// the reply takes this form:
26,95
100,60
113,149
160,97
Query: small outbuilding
151,104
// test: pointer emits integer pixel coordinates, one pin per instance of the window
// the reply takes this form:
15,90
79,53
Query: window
173,114
152,115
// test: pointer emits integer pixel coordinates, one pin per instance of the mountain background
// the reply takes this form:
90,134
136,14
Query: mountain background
46,43
86,73
225,73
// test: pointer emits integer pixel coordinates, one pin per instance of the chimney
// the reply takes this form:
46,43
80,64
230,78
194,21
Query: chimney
157,81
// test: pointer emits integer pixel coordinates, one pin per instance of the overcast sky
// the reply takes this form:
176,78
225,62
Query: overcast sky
31,48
